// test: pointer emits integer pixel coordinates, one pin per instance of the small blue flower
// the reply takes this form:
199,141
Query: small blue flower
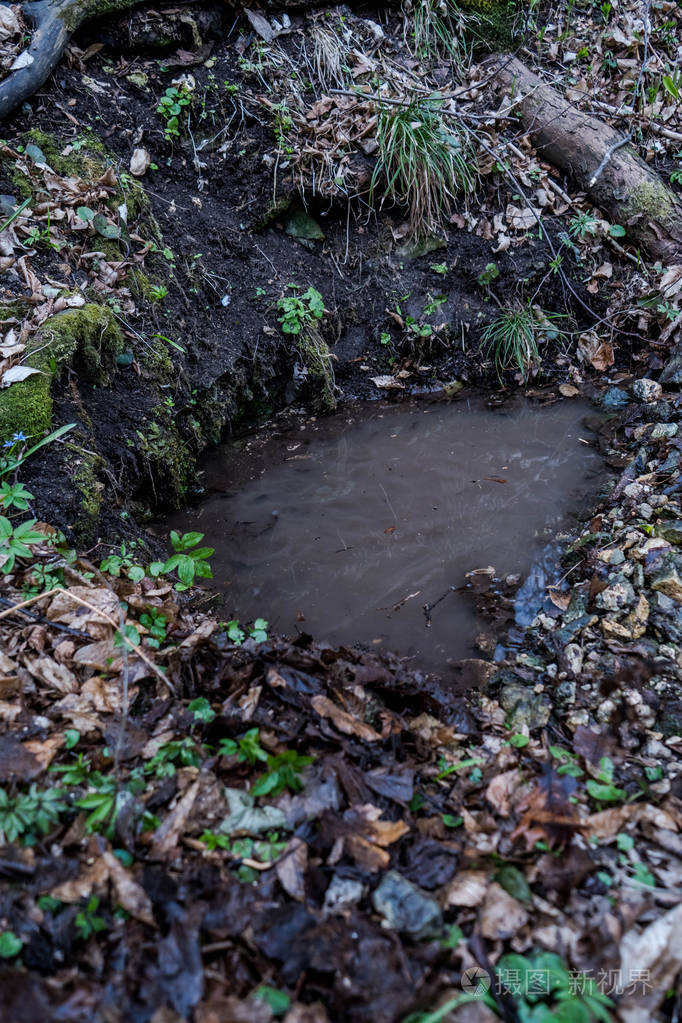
19,436
8,444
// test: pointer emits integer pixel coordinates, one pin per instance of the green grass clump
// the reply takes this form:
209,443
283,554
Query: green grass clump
514,335
423,162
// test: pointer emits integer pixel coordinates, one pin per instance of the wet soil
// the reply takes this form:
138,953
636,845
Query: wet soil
361,527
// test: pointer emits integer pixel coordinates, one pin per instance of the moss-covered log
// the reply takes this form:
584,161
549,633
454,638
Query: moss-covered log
601,161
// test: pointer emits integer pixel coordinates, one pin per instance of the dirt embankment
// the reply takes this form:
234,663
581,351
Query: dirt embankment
156,320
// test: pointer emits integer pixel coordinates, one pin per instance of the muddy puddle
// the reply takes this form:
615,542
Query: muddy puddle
345,527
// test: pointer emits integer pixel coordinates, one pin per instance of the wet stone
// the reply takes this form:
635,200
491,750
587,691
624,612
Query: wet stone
664,431
615,398
672,532
405,907
524,707
647,390
616,596
573,658
669,580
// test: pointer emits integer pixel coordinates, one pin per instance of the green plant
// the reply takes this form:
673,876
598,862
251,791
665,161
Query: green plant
10,945
603,787
16,541
248,748
514,335
172,105
237,635
14,495
189,563
116,564
31,814
163,763
582,224
201,710
545,991
567,762
300,316
87,922
299,311
156,624
487,276
283,773
422,162
158,292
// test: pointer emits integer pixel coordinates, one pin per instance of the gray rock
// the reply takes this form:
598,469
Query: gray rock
672,532
573,659
524,707
405,907
342,892
669,580
664,431
647,390
615,398
672,373
617,595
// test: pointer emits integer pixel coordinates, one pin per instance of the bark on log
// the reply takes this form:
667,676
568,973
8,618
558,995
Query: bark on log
54,22
626,189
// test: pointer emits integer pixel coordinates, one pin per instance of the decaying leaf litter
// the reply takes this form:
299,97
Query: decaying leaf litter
204,830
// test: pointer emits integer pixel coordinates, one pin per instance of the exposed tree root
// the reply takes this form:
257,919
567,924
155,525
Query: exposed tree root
601,161
54,23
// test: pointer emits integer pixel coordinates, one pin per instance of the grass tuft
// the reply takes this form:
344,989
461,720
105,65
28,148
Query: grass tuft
514,336
423,163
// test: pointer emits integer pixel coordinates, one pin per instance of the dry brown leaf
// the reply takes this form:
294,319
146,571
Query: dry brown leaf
385,833
44,750
166,837
368,855
53,674
467,889
93,880
656,955
342,720
501,790
501,916
129,893
291,869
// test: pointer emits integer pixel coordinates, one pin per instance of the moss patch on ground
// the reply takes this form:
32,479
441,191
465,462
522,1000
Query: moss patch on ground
88,337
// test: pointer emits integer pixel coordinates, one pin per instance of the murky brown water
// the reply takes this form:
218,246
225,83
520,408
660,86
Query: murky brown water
350,524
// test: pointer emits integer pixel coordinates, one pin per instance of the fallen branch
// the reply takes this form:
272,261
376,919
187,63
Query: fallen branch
602,162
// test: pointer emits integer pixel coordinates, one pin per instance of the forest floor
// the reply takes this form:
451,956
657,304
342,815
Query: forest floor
205,823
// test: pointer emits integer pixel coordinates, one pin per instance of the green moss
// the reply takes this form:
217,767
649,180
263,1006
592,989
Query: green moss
26,406
88,337
85,475
492,22
650,199
168,459
317,359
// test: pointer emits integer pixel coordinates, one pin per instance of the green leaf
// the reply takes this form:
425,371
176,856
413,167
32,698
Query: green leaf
605,793
279,1001
85,213
71,738
10,945
201,709
104,228
616,231
519,741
